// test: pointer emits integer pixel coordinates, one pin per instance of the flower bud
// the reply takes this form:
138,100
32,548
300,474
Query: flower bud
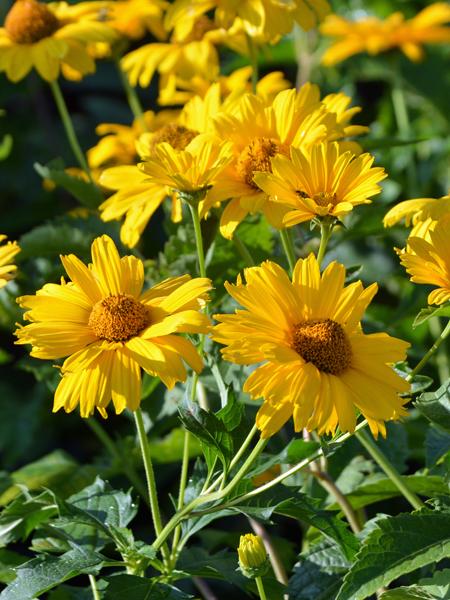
253,561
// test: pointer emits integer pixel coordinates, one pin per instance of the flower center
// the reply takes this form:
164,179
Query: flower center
201,27
256,157
324,198
324,343
118,318
177,136
29,21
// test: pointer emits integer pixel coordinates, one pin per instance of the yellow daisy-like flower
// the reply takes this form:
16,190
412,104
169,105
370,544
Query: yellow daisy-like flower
7,253
373,35
48,37
427,259
109,329
417,210
192,170
259,132
323,180
134,18
318,365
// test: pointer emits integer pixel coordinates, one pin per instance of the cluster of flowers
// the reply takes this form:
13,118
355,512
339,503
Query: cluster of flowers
278,151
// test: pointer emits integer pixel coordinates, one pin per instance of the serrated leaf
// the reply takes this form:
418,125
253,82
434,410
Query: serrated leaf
24,514
130,587
85,192
42,574
413,592
436,406
211,431
431,311
9,560
170,448
437,445
396,546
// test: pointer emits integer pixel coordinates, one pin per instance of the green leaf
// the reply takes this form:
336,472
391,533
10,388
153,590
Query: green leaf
24,514
413,592
210,430
437,446
9,560
431,311
396,546
85,192
371,144
42,574
436,406
56,470
130,587
170,448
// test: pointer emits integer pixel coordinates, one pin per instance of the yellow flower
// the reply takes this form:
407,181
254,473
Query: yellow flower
253,560
137,197
427,259
7,253
374,35
192,170
321,181
134,18
259,131
318,365
43,36
417,210
109,329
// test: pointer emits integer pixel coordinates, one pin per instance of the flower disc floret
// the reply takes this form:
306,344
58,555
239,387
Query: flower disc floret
256,157
118,318
29,21
176,135
324,343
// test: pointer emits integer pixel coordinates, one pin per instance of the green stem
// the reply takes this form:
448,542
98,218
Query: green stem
430,352
388,468
68,126
151,483
182,489
326,227
260,586
198,239
404,126
116,455
207,498
132,97
94,589
288,246
442,358
243,251
253,51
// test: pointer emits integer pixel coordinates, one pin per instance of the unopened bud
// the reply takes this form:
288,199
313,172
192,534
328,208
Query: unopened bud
253,561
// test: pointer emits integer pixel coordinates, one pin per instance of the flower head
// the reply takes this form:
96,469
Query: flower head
49,37
109,329
253,560
321,181
427,258
417,210
318,365
7,253
374,35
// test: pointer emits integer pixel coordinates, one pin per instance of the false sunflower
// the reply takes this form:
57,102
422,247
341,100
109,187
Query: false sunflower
49,37
317,364
417,210
260,131
136,196
7,253
134,18
373,35
323,180
427,258
109,329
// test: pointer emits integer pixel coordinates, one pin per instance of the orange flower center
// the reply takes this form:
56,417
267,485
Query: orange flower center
324,343
201,27
324,198
177,136
118,318
256,157
29,21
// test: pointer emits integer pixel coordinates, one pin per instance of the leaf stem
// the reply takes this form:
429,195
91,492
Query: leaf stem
151,483
288,246
404,126
388,468
444,334
132,97
442,358
260,586
198,238
326,227
68,126
95,594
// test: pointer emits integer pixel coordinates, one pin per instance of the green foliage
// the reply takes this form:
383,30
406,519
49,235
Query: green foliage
436,406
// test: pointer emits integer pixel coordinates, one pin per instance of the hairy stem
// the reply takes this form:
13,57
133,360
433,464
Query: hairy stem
288,246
